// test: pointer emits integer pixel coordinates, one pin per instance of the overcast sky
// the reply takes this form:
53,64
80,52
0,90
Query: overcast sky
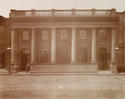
6,5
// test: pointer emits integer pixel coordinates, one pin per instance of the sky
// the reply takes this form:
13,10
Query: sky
6,5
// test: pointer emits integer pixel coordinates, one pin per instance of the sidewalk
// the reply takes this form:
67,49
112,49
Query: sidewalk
5,72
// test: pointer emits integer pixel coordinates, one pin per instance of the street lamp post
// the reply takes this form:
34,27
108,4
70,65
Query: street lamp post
9,65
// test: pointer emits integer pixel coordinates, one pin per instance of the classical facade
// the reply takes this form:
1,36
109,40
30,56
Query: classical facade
84,38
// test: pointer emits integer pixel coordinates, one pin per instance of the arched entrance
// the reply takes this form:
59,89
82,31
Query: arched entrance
103,59
24,58
83,55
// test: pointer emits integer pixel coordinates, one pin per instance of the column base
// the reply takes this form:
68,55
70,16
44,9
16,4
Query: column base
73,62
52,62
94,63
113,67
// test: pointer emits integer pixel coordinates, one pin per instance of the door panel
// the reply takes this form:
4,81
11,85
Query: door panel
103,59
62,56
24,58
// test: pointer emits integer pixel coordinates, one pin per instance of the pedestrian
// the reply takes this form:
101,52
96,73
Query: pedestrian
28,64
28,68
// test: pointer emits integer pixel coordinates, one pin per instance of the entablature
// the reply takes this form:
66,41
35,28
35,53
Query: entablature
64,23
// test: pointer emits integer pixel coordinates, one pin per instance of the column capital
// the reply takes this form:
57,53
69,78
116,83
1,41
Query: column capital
54,28
12,30
93,29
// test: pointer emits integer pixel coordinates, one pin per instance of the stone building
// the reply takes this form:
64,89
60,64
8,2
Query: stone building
4,42
89,40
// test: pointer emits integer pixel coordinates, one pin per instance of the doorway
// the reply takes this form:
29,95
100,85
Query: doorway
103,59
44,56
24,59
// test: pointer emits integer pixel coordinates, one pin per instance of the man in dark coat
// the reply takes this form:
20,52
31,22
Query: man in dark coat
28,64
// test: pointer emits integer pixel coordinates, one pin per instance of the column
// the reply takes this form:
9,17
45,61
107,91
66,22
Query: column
73,46
33,58
14,55
53,46
113,47
113,65
93,55
13,47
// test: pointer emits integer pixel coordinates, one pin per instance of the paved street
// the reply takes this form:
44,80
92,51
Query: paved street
62,87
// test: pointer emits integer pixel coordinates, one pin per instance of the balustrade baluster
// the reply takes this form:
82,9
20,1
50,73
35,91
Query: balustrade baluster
53,12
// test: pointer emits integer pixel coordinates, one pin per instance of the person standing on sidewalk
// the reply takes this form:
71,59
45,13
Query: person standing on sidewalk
28,64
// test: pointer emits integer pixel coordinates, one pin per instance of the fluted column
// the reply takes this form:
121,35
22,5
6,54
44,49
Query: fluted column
13,47
73,46
33,58
93,56
53,46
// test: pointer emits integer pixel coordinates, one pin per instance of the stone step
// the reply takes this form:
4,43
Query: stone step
105,72
3,71
64,69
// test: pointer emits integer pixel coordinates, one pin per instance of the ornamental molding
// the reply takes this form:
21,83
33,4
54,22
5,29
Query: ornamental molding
63,24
